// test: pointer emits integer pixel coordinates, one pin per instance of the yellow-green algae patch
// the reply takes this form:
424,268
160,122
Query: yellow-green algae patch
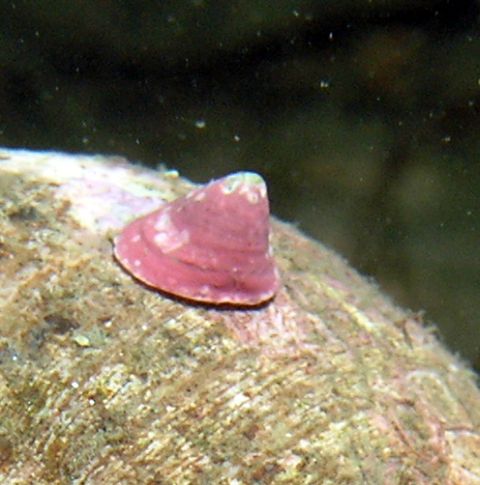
105,381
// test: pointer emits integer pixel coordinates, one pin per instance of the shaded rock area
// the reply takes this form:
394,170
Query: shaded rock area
103,380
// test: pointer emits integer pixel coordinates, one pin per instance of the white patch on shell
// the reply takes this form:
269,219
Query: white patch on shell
137,263
163,223
230,188
168,238
199,196
263,191
253,192
160,239
135,238
204,290
171,240
249,183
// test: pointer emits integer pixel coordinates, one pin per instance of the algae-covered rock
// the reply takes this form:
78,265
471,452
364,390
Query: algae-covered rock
103,380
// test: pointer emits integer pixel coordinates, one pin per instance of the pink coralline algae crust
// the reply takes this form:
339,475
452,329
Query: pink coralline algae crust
210,246
279,329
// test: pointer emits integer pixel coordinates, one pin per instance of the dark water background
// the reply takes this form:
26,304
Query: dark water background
363,116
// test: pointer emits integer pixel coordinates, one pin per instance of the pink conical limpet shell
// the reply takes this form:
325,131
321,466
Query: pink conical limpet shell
211,245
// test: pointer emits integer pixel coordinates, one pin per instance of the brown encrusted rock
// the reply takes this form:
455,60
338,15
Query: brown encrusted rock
103,380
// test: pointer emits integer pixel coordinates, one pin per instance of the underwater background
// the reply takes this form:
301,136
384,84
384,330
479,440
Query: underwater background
363,117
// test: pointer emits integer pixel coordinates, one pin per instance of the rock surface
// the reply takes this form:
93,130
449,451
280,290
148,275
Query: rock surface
103,380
